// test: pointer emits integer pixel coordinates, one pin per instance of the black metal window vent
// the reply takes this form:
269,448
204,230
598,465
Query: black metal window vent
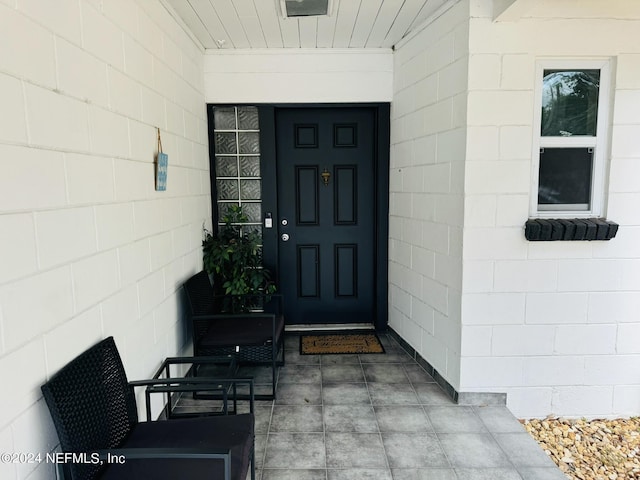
546,229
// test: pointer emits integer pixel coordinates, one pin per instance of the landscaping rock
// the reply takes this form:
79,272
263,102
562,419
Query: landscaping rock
591,449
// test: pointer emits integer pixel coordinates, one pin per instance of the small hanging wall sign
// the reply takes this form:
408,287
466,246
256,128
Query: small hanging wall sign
161,167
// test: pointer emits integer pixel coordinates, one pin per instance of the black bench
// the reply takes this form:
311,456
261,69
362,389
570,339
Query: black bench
254,337
94,411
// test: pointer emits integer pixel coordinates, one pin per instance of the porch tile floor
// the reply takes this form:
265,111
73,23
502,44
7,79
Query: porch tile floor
382,417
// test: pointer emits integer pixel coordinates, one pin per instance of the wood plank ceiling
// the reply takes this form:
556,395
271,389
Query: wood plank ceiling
235,24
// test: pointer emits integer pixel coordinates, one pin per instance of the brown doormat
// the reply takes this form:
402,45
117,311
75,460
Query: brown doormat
333,343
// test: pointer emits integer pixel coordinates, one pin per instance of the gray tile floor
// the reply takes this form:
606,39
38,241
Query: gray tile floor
381,417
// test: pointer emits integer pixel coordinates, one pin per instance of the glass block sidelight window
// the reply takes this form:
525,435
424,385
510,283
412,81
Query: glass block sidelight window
237,161
570,145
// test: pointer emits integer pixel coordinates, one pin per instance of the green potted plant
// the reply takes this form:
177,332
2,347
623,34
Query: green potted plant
234,257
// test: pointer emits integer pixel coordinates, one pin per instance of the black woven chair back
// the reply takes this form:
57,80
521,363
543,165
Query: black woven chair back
91,404
200,294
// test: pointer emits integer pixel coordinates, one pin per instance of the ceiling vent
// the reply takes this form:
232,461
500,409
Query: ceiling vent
305,8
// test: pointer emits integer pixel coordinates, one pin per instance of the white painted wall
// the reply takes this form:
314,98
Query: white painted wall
87,247
298,75
553,324
428,137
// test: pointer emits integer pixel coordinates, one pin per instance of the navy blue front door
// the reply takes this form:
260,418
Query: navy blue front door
326,214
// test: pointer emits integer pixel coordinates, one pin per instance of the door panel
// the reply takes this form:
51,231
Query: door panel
326,206
346,270
307,271
346,195
307,201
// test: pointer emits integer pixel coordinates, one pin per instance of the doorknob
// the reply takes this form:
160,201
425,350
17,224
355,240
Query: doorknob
285,237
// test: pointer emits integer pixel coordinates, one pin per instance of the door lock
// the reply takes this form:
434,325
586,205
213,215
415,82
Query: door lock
285,237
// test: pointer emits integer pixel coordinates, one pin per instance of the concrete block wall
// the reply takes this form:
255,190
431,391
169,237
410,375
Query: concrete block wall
553,324
88,248
298,75
428,138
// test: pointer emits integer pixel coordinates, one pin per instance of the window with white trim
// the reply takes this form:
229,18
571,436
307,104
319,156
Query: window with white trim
572,99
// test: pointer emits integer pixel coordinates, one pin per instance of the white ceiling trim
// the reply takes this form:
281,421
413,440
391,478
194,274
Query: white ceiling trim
300,51
237,24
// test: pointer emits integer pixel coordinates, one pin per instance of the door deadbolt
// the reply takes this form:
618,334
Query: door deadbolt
284,222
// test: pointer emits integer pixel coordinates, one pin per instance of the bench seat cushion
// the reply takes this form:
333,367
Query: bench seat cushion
241,330
200,432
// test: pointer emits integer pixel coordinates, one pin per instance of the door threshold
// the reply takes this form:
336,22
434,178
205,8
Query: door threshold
328,326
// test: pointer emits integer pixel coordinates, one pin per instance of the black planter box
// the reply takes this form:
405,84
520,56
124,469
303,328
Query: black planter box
546,230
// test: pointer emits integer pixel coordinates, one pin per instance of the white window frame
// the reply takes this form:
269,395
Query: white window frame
598,143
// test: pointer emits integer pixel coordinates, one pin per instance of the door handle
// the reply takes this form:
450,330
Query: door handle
285,237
